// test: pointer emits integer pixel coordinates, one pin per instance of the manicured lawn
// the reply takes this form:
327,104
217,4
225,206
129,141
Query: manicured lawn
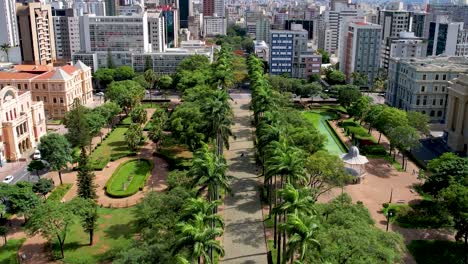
128,178
353,127
54,122
436,251
116,229
112,148
9,251
59,192
126,121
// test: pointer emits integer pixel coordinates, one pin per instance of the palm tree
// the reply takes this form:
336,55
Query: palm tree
198,239
5,47
194,206
301,230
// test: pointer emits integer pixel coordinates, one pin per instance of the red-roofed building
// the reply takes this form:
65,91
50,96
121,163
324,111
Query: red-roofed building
55,87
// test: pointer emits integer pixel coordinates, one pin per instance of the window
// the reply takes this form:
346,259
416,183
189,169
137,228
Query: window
25,86
19,86
436,88
45,99
444,77
443,88
433,101
437,77
432,113
44,86
439,113
441,101
424,100
423,88
55,100
61,100
38,98
36,86
424,77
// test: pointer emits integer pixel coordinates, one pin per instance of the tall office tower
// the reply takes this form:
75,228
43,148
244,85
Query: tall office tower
157,32
213,26
279,19
335,4
194,26
67,33
406,45
443,37
220,8
184,11
251,18
111,7
418,23
262,30
360,52
9,31
393,22
330,24
36,33
208,7
171,26
306,24
455,12
462,43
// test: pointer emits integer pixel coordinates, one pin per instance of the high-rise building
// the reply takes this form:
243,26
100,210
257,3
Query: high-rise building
306,24
418,23
111,7
213,26
214,7
443,37
194,26
36,33
67,33
171,20
462,43
262,32
157,32
96,7
420,84
22,123
336,4
359,50
457,114
406,45
184,8
9,31
455,13
393,22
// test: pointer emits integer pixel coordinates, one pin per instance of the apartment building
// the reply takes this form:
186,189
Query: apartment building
457,114
22,123
420,84
406,45
213,26
262,30
67,33
443,36
36,33
393,22
55,87
9,31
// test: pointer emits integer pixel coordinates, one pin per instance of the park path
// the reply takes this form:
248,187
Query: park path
244,239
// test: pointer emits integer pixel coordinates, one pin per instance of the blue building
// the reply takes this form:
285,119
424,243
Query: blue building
281,52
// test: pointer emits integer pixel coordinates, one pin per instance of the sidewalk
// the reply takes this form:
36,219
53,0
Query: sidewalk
244,239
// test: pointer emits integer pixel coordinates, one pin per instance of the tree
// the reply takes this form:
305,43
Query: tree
96,121
123,73
248,45
138,114
4,233
325,56
325,171
336,77
110,59
104,76
109,111
313,78
51,220
43,186
148,63
419,121
359,79
405,138
79,132
390,118
150,77
455,200
22,200
156,126
361,107
444,168
165,82
56,150
126,94
201,206
85,179
372,117
348,94
194,62
133,137
187,125
87,212
36,165
5,47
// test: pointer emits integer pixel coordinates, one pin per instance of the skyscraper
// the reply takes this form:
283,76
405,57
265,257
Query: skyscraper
9,30
443,37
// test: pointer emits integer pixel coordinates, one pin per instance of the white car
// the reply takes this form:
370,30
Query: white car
8,179
36,155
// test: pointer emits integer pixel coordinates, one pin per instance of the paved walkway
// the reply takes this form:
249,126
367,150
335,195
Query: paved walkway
244,239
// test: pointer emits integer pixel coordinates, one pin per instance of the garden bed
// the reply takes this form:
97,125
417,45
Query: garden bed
129,178
59,192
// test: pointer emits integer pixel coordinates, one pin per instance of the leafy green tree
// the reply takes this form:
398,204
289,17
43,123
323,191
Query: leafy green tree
96,121
361,107
36,166
85,179
123,73
109,111
57,151
138,114
79,132
359,79
335,77
104,76
126,94
314,78
87,212
51,220
199,205
325,56
194,62
5,47
405,138
444,168
390,118
150,77
4,233
43,186
325,171
419,121
348,94
248,45
140,79
165,82
372,117
187,125
133,136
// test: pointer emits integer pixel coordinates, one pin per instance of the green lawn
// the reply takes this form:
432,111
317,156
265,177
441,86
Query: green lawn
436,251
126,121
112,148
318,118
116,230
353,127
59,191
128,178
9,251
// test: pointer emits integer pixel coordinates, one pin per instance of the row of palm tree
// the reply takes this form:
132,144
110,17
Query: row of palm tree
285,179
201,225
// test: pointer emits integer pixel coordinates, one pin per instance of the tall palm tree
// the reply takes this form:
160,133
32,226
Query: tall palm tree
5,47
301,230
194,206
198,239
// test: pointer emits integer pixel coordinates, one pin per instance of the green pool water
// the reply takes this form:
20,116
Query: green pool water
319,120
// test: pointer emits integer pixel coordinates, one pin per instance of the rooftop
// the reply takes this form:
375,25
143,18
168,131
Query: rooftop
27,72
437,63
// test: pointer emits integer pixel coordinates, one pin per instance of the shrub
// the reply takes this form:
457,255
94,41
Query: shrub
375,150
178,178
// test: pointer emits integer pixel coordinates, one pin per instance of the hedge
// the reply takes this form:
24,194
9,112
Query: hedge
123,172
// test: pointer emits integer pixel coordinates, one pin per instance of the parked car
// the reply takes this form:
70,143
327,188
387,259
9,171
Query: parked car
36,155
8,179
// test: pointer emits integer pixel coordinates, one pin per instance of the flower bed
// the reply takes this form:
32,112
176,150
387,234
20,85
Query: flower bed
129,178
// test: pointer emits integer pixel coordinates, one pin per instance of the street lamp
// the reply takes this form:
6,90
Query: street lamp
390,213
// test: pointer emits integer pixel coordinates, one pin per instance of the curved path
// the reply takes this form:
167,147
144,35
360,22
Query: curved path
244,239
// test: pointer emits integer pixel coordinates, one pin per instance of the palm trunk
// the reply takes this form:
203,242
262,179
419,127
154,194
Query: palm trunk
275,215
284,239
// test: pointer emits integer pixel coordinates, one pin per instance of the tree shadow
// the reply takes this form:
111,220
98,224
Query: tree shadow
121,230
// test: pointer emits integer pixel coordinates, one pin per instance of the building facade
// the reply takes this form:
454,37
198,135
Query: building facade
420,84
360,50
443,37
9,31
406,45
262,32
67,33
56,87
457,114
22,123
36,33
213,26
393,22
